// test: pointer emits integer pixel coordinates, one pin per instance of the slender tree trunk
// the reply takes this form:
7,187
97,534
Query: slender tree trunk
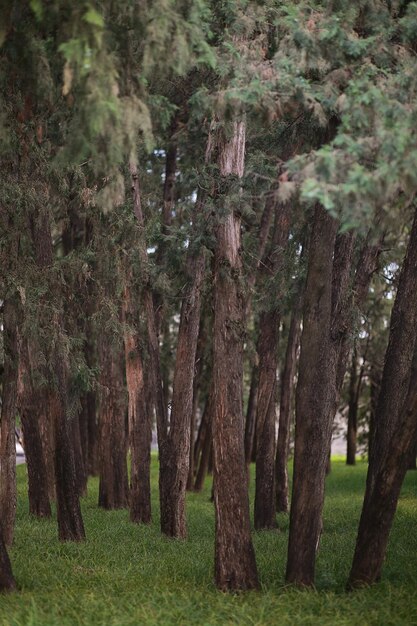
140,424
268,364
113,486
8,496
70,523
235,566
314,403
202,432
174,472
395,427
80,470
207,445
196,401
154,371
250,422
352,429
287,383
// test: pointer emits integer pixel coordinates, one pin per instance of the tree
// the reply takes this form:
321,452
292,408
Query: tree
395,427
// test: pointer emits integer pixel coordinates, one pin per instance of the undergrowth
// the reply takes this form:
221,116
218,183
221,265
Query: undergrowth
129,575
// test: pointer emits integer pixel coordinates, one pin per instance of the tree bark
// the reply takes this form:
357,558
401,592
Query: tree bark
174,473
7,581
8,495
140,423
29,402
352,429
268,364
395,427
70,523
287,384
113,486
314,403
154,372
235,566
207,445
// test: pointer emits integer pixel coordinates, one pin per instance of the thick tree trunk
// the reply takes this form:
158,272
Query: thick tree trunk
7,581
314,403
235,566
29,402
287,384
140,423
8,496
113,486
395,427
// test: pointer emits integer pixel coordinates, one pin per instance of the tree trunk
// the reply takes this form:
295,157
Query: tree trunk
196,401
140,423
70,523
29,403
207,445
113,486
268,364
8,495
7,581
395,427
314,403
352,429
154,371
174,472
287,384
80,470
412,464
250,422
235,566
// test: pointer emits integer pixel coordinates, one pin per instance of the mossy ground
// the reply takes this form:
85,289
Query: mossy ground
128,575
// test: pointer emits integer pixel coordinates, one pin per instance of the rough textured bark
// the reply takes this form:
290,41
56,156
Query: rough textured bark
314,402
235,566
70,523
7,581
140,423
8,496
154,371
207,446
113,486
395,427
29,402
268,365
287,384
174,472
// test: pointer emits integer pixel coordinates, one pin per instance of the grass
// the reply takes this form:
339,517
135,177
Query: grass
128,575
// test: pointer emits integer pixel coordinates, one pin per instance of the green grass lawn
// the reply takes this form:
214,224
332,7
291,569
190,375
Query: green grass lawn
130,575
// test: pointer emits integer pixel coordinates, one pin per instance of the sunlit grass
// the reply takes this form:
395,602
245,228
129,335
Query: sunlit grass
129,575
